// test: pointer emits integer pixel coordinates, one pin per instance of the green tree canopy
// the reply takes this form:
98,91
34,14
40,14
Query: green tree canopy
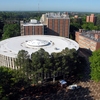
89,26
40,64
10,30
56,64
95,65
6,81
10,86
98,22
23,63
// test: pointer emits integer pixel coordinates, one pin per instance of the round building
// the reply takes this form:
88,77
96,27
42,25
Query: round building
9,48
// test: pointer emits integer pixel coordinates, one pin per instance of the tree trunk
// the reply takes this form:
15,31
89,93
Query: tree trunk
54,79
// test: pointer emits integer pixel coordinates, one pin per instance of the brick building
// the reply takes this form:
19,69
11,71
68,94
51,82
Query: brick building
76,19
92,18
88,39
50,24
31,28
57,24
87,18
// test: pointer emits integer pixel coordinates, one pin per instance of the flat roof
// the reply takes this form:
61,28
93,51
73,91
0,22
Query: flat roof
57,15
32,24
91,35
10,47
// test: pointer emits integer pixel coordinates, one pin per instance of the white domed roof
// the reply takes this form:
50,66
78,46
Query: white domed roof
31,43
37,43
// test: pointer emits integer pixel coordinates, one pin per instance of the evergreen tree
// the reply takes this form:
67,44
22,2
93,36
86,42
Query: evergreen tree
40,64
23,64
10,30
7,80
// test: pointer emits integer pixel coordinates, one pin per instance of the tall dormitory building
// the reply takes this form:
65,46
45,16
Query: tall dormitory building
50,24
92,18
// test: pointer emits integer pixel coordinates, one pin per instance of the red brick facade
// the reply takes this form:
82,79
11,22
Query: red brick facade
51,24
89,40
58,27
33,30
92,18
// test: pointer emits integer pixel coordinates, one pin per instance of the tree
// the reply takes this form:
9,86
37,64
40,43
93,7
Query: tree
35,66
98,22
40,64
10,86
23,64
10,30
1,28
6,81
89,26
74,61
74,27
95,65
56,64
71,59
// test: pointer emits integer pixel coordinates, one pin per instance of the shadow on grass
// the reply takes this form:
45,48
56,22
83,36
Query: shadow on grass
55,92
86,53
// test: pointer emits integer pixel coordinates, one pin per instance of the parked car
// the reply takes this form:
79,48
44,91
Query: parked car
63,83
73,87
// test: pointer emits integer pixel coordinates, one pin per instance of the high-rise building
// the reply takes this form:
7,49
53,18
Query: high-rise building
50,24
92,18
57,24
88,19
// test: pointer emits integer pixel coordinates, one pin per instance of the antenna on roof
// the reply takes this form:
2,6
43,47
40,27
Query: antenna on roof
38,7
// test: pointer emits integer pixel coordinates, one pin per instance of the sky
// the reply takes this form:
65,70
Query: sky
50,5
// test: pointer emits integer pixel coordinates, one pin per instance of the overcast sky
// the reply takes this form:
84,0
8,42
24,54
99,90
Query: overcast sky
50,5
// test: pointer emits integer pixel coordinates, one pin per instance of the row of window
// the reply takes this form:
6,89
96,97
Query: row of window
7,61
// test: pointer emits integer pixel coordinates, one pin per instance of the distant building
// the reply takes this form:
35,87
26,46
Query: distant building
88,39
76,16
92,18
88,19
50,24
76,19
